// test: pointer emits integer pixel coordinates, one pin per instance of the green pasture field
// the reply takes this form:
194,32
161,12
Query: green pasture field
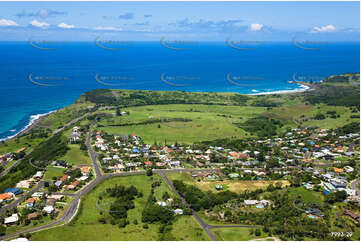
87,227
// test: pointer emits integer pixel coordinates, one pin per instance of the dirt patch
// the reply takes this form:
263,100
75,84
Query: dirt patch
237,186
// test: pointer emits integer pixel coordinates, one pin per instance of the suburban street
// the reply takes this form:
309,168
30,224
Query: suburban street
72,208
22,197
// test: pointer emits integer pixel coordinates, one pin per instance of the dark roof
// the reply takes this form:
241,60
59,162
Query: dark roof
16,191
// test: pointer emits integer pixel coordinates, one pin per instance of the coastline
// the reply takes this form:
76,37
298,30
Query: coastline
37,118
33,121
303,88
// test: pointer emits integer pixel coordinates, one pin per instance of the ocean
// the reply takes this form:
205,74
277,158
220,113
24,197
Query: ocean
35,81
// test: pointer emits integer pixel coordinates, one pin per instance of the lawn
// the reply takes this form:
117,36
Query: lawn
86,226
75,156
237,186
305,195
231,185
53,172
15,144
236,234
187,228
62,116
207,122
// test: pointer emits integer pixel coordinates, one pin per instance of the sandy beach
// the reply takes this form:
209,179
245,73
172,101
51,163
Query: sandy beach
303,88
34,120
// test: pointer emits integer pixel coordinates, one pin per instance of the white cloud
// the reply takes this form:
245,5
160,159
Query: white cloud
66,26
326,28
39,24
6,22
256,27
108,28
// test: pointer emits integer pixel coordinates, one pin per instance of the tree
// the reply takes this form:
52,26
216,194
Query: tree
258,232
83,146
122,223
165,196
2,230
149,172
118,113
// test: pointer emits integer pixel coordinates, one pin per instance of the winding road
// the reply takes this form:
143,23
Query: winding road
206,227
73,206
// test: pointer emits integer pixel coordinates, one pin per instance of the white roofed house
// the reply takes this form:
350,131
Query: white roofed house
250,202
106,159
48,209
12,219
174,164
162,204
178,211
348,169
23,184
38,175
75,136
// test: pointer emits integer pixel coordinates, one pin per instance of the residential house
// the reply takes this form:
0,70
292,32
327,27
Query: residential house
50,202
61,163
85,170
48,209
30,202
178,211
12,219
38,175
23,184
15,191
6,197
250,202
33,215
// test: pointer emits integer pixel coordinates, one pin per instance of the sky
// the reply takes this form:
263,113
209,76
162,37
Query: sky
202,21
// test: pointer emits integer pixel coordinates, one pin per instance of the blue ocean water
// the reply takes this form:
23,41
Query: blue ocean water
35,81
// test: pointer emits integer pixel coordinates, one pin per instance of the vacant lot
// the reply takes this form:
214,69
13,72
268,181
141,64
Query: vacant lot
237,234
231,185
75,156
237,186
305,195
53,172
87,227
